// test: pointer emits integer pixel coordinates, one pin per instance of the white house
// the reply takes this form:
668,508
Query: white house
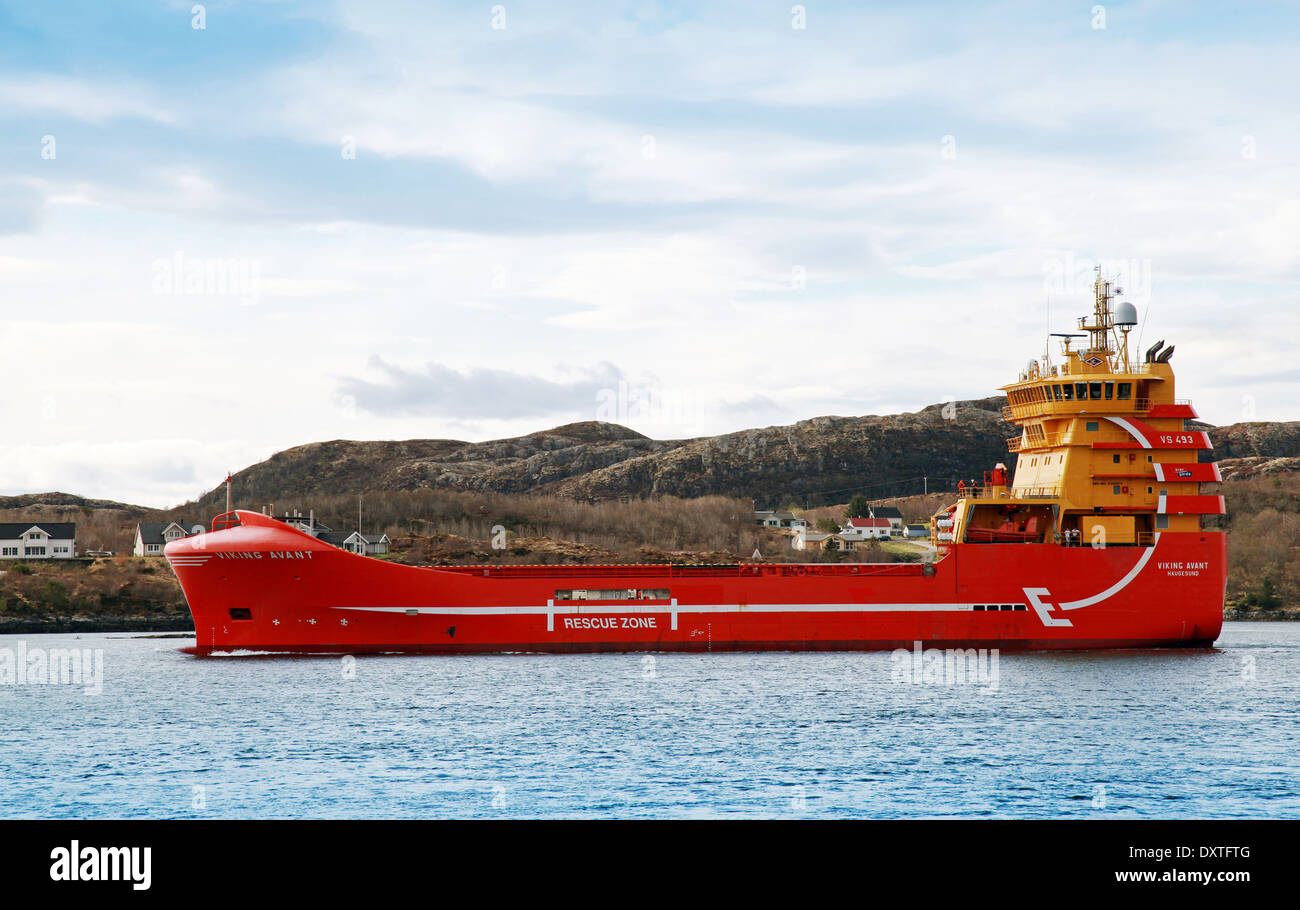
784,521
809,540
45,540
152,536
366,544
818,540
866,528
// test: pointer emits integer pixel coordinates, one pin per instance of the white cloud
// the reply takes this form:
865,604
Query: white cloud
89,100
152,472
777,159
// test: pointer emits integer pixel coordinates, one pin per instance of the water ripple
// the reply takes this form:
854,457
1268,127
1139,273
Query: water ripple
1135,734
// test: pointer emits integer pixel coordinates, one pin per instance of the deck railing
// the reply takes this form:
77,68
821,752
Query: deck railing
1020,443
1044,492
993,491
1142,539
1012,412
226,520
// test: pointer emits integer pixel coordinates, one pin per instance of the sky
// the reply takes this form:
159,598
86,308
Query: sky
231,228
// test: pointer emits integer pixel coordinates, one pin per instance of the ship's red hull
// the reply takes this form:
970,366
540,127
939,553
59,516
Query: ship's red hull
268,587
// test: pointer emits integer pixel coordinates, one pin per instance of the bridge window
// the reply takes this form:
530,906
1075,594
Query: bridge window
1094,391
1110,390
1056,390
1124,391
1069,392
1081,391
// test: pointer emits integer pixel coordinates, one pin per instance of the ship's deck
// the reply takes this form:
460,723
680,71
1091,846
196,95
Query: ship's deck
735,570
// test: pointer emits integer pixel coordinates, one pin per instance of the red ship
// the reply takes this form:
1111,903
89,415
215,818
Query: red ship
1097,542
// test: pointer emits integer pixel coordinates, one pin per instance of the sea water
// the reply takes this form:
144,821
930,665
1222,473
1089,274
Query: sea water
1120,734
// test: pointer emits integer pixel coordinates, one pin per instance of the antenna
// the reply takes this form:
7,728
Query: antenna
1146,311
1047,342
1067,336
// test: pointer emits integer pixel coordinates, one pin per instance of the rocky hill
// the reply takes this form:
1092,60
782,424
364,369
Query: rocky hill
1256,440
815,458
600,461
812,462
65,503
1246,450
537,461
809,462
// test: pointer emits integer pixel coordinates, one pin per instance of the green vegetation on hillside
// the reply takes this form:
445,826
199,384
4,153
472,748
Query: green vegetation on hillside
1263,524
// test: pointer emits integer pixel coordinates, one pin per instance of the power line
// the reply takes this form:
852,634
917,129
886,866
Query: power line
869,486
922,479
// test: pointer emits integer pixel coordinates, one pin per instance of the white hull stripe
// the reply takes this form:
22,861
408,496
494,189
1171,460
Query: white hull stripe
605,609
1119,585
1132,430
1160,471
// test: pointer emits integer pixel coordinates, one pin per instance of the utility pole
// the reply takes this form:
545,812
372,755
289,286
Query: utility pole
358,513
926,482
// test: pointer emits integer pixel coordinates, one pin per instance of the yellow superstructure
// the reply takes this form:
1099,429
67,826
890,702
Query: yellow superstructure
1103,456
